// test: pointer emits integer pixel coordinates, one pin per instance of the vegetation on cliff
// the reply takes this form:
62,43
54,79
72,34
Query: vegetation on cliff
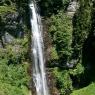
73,42
72,45
14,64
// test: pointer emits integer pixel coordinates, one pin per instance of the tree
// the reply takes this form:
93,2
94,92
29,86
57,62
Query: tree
81,27
50,7
61,33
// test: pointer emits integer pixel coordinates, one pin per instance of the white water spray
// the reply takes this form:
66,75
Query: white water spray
39,76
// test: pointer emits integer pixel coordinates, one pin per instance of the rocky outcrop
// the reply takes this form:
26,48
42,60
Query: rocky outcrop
13,24
11,27
8,38
72,8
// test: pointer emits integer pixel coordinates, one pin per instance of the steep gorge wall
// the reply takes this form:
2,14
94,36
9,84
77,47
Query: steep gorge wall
14,46
72,18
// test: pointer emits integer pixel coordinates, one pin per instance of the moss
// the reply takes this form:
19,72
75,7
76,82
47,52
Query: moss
6,9
89,90
54,55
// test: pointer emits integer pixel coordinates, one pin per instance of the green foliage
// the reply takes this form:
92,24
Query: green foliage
61,33
82,26
7,2
54,55
63,81
7,89
15,54
89,90
78,70
13,78
13,57
93,19
50,7
13,68
6,9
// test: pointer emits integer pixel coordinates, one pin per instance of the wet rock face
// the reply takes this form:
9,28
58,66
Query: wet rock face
72,8
12,16
14,25
11,21
11,27
8,38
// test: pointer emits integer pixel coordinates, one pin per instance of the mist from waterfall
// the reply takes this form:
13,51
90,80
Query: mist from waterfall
39,75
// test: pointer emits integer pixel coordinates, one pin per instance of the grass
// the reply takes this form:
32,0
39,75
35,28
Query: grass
89,90
25,90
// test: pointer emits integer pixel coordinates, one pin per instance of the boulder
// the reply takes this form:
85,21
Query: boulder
8,38
1,46
73,6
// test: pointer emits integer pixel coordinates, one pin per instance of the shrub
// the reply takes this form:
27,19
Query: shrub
63,81
61,33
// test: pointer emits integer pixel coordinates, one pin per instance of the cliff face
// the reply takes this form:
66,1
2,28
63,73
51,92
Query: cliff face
69,36
14,79
72,7
70,30
12,21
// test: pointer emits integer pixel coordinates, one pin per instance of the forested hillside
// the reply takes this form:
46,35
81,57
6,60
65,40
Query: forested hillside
69,40
14,77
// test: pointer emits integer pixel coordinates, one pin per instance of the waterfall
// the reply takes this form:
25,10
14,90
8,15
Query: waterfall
39,76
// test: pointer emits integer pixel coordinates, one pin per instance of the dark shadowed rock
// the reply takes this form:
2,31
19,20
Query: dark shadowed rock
1,46
13,24
72,63
12,16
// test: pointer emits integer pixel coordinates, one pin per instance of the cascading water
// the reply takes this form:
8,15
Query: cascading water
39,77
